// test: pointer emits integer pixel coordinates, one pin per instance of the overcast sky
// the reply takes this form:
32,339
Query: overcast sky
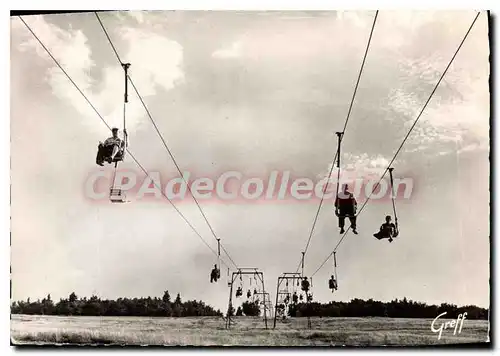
251,92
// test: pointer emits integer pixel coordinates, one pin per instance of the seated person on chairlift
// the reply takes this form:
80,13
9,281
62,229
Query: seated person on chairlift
305,285
332,283
239,292
114,145
345,206
387,230
215,274
249,294
295,298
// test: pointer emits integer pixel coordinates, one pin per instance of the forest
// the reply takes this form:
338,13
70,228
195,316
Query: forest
165,307
402,308
95,306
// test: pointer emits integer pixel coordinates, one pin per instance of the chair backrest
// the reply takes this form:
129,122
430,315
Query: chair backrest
115,191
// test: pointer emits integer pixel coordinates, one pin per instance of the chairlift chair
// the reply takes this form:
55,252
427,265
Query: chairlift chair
116,195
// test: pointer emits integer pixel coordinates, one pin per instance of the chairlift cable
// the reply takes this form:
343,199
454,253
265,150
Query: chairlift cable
406,137
163,140
105,123
393,197
343,131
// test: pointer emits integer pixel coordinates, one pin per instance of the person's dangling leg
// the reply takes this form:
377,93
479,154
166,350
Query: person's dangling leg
353,224
115,151
382,234
100,155
341,223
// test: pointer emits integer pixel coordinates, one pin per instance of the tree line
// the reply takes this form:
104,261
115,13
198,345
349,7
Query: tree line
164,307
247,308
402,308
95,306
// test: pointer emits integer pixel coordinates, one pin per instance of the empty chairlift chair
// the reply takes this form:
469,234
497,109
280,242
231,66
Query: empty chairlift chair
116,195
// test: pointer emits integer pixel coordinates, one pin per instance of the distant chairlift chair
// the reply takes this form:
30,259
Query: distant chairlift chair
116,195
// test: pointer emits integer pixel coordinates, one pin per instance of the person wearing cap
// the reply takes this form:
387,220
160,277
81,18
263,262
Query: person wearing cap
111,147
387,230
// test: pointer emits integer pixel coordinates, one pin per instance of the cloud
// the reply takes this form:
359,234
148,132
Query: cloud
458,110
233,51
156,62
359,166
378,162
474,147
137,15
297,42
365,164
449,126
71,50
355,17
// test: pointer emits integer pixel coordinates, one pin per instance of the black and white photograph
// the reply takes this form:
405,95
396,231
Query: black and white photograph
251,178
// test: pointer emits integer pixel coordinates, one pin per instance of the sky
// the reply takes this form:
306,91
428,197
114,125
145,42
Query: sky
251,92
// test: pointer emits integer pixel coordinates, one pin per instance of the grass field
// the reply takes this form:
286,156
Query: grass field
207,331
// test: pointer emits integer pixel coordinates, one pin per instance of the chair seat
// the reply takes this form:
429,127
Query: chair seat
118,158
116,195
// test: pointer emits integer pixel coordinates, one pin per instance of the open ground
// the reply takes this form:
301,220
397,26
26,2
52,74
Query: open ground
246,331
